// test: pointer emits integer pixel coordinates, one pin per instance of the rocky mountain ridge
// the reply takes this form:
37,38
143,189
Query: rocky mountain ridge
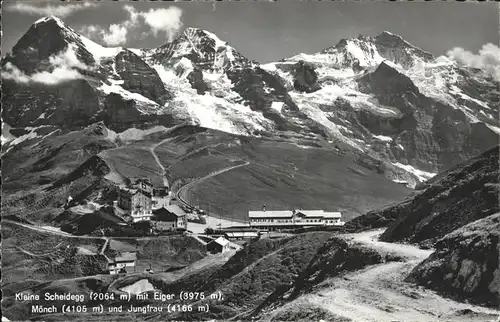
379,95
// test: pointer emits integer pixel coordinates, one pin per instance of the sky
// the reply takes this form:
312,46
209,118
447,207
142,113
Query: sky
268,31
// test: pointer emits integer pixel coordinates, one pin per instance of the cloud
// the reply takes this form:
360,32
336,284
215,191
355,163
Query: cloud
115,35
64,65
168,21
487,59
62,10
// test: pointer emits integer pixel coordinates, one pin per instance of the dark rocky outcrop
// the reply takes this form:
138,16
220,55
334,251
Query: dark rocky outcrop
459,196
120,114
69,104
195,78
466,264
260,89
140,78
305,78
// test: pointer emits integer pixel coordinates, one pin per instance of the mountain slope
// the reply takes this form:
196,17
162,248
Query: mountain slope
460,196
378,95
382,95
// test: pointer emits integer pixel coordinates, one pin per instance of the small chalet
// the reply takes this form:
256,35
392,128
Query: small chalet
221,245
169,218
218,245
123,263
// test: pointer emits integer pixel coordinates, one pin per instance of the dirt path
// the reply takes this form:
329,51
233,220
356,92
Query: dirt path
51,230
164,172
54,231
39,255
379,292
370,238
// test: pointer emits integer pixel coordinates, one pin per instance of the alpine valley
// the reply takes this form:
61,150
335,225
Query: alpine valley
403,143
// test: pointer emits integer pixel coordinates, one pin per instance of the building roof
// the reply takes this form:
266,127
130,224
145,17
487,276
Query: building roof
130,191
334,214
268,214
126,257
242,234
311,213
133,191
142,180
289,214
162,214
168,213
221,241
160,192
176,209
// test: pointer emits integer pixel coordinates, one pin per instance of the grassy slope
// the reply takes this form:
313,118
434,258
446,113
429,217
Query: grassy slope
44,160
40,262
281,175
54,256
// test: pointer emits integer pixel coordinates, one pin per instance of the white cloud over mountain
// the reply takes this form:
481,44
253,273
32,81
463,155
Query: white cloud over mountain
62,10
167,20
64,69
163,20
488,59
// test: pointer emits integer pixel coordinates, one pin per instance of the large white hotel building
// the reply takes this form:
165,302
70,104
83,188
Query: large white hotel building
293,219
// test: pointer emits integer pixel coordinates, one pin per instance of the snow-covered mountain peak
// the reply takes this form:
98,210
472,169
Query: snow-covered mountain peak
49,19
365,51
203,48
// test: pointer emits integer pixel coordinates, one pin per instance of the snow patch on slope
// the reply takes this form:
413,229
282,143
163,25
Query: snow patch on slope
6,135
383,138
99,52
421,175
134,134
278,106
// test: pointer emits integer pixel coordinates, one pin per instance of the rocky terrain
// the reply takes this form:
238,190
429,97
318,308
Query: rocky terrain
456,197
456,214
379,95
466,263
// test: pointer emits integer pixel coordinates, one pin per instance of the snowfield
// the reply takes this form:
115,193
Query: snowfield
224,114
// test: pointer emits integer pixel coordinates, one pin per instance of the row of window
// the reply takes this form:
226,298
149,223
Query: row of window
260,220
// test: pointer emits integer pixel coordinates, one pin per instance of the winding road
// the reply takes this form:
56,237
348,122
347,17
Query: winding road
197,181
213,174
